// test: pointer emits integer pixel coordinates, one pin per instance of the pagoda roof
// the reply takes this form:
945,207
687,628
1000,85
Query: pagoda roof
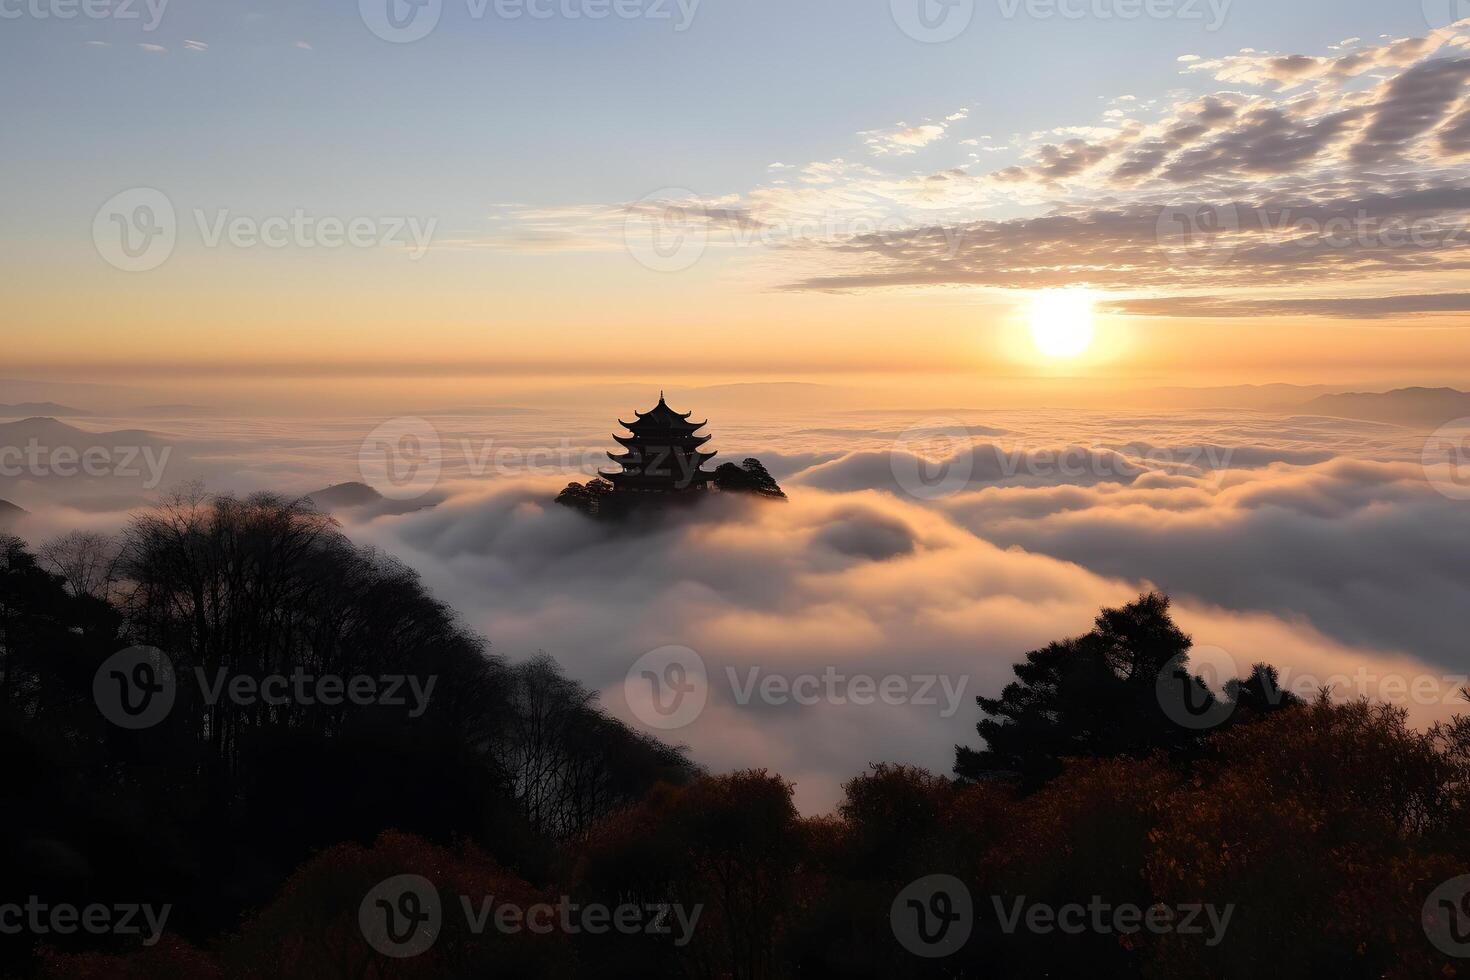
661,416
632,459
640,438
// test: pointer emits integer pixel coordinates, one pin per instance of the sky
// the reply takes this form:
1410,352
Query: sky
1243,191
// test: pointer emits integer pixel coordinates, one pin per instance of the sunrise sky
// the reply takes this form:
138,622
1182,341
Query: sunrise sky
741,191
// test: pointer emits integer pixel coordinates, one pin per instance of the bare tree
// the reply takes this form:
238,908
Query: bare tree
86,560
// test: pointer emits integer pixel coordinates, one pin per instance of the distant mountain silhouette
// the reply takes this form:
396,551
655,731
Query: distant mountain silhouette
1269,397
360,496
1427,407
52,433
24,409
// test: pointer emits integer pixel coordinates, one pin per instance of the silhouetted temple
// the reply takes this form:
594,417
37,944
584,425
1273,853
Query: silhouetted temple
662,454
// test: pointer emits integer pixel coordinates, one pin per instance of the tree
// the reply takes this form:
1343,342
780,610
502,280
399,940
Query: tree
748,477
585,498
1093,695
87,561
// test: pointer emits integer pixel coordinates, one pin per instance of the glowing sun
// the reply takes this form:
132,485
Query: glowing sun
1061,322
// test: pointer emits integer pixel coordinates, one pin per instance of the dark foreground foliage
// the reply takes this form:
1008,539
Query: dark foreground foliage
1321,827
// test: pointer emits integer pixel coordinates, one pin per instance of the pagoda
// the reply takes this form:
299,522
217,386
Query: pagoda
661,455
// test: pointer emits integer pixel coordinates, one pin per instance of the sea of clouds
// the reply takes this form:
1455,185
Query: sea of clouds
916,560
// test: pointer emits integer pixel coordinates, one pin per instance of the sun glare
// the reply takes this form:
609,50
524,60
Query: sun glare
1061,322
